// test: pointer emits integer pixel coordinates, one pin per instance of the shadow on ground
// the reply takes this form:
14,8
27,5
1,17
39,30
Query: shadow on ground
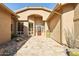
10,48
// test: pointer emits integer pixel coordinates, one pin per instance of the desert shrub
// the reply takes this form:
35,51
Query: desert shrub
48,34
69,35
13,36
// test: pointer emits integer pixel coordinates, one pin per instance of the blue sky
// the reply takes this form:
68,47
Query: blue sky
15,6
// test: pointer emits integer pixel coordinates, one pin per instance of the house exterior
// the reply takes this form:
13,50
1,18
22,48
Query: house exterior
33,21
25,22
63,24
7,17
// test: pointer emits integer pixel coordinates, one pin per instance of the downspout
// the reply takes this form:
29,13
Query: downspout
61,26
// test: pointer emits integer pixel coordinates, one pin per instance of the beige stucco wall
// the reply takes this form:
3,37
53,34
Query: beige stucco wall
5,26
54,25
24,15
76,25
76,28
56,32
67,22
13,24
76,32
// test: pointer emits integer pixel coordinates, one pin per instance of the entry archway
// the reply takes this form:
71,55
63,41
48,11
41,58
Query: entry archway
36,24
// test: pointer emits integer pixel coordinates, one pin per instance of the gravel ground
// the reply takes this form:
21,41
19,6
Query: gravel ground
10,48
41,46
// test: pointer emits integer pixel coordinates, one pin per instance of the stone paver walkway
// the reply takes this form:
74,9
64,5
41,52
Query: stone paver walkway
41,46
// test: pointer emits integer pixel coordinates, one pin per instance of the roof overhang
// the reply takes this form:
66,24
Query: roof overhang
32,8
57,10
53,12
8,10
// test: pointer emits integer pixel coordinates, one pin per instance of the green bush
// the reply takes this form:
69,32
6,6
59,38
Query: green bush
74,53
48,34
13,36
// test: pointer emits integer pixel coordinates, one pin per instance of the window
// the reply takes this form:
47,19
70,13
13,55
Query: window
20,28
30,28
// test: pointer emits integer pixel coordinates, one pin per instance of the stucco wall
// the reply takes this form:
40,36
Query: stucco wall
5,26
25,14
56,32
13,24
76,28
67,23
54,25
76,32
76,25
76,12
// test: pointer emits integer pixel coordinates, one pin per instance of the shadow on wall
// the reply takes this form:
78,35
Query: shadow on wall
69,35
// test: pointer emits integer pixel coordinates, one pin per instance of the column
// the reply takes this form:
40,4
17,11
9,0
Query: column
17,27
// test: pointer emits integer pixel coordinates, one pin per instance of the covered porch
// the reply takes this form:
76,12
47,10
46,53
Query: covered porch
36,25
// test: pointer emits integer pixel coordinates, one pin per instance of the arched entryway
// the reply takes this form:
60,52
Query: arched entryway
36,25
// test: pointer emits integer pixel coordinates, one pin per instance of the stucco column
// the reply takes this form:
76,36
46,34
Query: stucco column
61,29
17,27
34,29
46,27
